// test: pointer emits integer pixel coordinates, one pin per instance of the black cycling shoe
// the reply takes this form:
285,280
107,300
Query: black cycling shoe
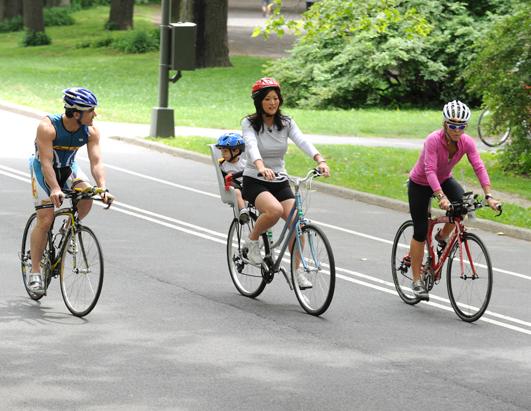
420,291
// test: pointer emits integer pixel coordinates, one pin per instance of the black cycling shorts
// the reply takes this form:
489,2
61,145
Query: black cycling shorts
252,187
419,199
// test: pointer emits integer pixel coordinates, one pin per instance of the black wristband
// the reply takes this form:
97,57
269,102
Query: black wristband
488,197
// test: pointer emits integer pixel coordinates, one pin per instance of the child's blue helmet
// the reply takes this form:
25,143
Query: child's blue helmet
231,141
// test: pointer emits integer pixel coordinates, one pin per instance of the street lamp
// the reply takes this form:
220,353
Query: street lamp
177,52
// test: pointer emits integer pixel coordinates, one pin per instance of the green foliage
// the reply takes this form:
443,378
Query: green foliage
86,4
35,38
58,16
501,74
367,52
13,24
137,41
54,16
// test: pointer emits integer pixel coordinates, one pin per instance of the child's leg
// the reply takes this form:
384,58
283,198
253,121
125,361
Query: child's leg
239,198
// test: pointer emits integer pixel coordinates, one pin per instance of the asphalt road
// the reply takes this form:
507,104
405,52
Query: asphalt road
171,332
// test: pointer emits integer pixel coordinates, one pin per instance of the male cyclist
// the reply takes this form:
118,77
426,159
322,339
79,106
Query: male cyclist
432,176
53,167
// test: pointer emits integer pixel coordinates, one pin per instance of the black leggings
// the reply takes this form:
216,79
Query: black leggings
419,198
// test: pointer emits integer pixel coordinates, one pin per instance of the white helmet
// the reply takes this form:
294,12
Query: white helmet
456,111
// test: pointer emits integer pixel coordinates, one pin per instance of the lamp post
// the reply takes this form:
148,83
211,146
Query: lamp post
162,123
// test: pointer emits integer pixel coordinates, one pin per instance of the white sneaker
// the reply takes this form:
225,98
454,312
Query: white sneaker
253,251
35,283
303,282
244,216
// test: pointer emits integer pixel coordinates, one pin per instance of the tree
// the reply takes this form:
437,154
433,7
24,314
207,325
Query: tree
211,18
352,53
500,73
33,12
10,9
121,15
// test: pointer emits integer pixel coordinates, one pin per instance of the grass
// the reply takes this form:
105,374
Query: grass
127,85
384,171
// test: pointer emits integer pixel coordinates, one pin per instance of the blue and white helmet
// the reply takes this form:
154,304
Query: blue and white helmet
79,98
455,111
231,141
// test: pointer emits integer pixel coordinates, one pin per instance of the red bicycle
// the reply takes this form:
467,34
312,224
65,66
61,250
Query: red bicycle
468,269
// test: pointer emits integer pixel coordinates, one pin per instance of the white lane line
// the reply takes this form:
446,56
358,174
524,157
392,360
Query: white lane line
156,218
334,227
158,180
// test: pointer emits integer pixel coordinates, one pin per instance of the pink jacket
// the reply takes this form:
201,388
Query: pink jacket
433,166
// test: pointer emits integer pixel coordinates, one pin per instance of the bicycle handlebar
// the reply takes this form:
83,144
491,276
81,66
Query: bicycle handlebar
469,203
312,173
78,194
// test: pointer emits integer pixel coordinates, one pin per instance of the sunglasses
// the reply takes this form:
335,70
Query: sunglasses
456,126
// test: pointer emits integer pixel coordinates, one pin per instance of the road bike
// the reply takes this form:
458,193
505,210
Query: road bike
489,133
310,251
72,253
468,264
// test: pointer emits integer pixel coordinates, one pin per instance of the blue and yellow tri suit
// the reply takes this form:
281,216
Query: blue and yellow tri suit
65,146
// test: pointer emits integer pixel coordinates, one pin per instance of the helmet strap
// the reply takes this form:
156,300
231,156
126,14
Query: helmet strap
79,123
233,156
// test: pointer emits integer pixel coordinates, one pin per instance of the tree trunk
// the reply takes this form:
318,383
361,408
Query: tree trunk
33,15
121,15
211,43
10,9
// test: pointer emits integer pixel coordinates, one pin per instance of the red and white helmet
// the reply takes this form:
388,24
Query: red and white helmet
456,111
263,83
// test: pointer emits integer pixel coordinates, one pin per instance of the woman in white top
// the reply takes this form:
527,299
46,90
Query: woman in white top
266,134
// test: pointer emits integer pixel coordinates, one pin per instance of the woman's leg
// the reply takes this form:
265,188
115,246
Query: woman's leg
419,199
270,212
453,190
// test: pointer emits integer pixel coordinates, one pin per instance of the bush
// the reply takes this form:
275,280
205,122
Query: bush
58,16
13,24
136,41
54,16
370,52
35,38
86,4
500,73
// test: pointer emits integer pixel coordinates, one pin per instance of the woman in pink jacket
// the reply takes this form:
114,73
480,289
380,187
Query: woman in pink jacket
432,176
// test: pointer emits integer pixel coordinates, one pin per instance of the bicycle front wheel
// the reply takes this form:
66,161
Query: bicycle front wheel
25,256
247,278
312,255
489,133
401,263
469,278
81,271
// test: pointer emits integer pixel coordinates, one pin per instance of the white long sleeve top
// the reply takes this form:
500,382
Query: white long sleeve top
270,145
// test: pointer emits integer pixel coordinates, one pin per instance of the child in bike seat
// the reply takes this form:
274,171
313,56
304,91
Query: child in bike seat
232,164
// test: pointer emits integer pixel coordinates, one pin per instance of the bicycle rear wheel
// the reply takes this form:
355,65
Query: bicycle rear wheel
313,254
400,266
489,133
25,256
469,290
247,278
81,271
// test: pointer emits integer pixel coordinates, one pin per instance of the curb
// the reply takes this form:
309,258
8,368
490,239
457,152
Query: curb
347,193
